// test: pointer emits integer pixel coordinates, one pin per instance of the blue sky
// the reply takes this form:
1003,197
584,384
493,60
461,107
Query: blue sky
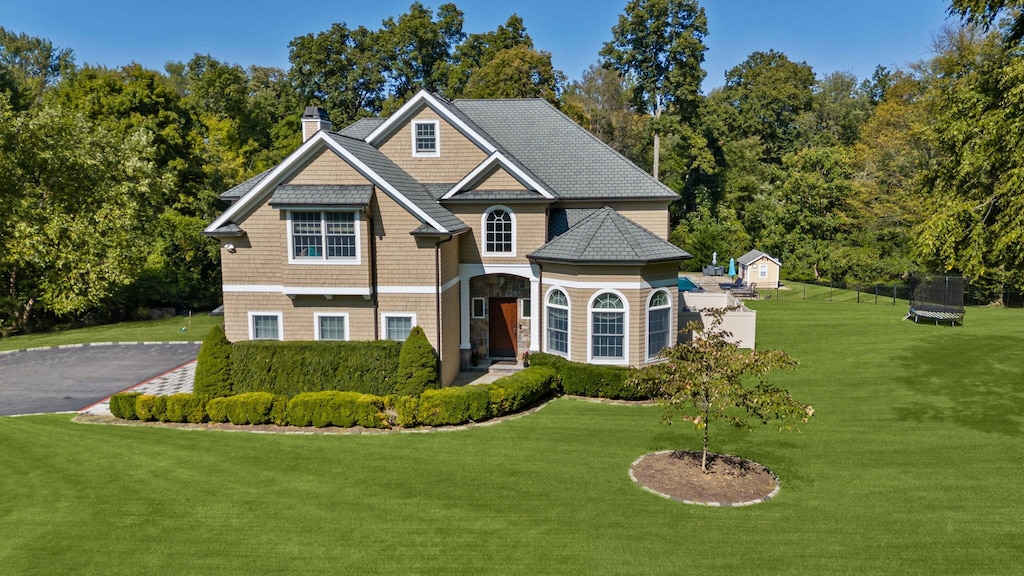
829,35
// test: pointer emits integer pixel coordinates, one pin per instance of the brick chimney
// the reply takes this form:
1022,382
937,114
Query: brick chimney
314,119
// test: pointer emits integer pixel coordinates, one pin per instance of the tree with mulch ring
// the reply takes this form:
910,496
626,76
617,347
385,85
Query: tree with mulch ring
702,380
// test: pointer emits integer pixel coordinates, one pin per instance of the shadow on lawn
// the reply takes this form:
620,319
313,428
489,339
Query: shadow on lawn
973,381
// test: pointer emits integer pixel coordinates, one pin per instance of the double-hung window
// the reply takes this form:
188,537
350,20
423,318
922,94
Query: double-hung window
398,326
425,141
331,326
558,323
499,232
265,326
608,328
324,236
659,323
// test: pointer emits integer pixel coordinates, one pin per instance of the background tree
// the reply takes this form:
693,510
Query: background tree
29,66
602,102
658,45
704,379
518,72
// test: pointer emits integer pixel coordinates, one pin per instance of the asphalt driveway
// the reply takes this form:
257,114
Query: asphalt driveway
68,379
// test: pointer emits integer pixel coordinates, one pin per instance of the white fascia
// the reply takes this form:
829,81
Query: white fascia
412,106
499,158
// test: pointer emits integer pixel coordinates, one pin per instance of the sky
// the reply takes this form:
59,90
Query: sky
830,35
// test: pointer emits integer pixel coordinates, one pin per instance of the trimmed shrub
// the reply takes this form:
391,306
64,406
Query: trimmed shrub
590,380
406,409
217,409
517,391
291,368
451,406
334,408
185,408
122,405
417,365
213,367
149,407
252,407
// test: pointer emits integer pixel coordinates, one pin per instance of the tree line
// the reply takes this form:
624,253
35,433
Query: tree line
108,175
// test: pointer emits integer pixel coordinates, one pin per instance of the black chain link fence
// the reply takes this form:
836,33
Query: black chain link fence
891,294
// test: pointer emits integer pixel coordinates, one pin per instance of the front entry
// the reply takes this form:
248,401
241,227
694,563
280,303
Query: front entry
504,316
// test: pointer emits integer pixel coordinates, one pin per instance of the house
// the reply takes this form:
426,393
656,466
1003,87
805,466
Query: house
498,226
756,267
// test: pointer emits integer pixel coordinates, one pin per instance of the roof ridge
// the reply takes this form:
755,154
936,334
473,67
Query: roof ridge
582,246
631,240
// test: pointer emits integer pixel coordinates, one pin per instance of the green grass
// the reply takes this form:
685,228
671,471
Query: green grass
912,465
165,330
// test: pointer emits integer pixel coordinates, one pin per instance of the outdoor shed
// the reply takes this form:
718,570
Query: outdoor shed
759,268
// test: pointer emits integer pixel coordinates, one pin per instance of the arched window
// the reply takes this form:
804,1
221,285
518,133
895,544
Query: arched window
558,322
499,232
608,328
659,323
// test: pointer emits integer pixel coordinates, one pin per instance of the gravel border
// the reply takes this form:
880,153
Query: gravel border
772,494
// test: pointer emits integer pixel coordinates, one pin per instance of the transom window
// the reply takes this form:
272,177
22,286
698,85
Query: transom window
608,329
398,326
499,232
424,139
659,323
558,323
332,327
323,236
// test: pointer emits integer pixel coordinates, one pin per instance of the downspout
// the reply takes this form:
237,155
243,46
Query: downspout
373,277
541,307
437,297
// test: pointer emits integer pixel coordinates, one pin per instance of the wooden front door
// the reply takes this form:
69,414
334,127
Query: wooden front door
504,317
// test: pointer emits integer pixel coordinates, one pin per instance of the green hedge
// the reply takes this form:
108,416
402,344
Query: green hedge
150,408
590,380
450,406
291,368
521,389
122,405
249,408
185,408
332,408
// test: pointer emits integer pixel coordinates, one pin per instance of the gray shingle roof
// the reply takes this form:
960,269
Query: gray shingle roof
608,237
751,256
401,180
573,163
240,190
560,220
497,196
322,195
361,128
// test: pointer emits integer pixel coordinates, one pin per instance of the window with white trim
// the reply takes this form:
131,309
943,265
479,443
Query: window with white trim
331,326
608,328
558,322
499,232
324,236
762,271
425,138
659,323
265,326
398,326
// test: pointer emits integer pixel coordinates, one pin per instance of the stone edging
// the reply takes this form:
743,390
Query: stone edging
303,430
91,344
772,494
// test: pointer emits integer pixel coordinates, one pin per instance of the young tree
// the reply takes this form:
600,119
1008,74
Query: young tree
658,45
702,380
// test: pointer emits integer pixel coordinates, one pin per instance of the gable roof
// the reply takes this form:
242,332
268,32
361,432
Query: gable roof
573,163
236,192
442,108
607,237
494,161
752,256
366,160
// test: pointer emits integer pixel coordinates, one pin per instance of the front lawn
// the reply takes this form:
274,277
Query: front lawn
911,465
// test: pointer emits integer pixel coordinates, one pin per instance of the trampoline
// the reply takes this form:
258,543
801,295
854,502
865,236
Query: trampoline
937,298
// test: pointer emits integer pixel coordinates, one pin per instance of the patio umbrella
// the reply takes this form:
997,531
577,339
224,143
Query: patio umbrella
714,258
732,266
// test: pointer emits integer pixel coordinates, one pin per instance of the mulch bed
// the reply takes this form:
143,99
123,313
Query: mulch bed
730,480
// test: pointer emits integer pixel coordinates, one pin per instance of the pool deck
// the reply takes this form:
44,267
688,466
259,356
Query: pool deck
708,283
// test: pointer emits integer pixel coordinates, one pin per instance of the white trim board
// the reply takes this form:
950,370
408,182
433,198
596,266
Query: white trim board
668,282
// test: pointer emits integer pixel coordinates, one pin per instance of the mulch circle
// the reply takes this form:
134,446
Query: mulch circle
730,480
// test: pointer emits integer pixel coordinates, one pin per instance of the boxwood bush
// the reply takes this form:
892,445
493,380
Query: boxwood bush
149,407
249,408
521,389
185,408
291,368
333,408
451,406
122,405
590,380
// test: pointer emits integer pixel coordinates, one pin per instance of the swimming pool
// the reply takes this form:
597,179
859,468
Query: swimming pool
687,285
